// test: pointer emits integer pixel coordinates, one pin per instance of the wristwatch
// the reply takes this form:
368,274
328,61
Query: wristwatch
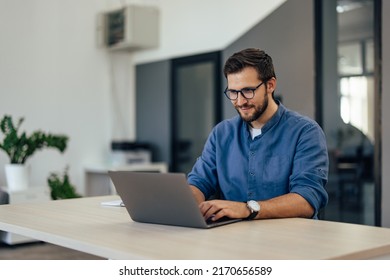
254,207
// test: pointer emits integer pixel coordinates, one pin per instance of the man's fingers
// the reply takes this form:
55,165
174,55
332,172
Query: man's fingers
209,208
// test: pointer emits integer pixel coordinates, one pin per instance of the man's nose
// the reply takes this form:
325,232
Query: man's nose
241,99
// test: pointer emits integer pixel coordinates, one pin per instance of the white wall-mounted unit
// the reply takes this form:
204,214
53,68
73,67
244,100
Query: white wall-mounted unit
130,28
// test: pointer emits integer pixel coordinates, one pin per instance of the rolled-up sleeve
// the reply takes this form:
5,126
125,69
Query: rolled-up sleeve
310,168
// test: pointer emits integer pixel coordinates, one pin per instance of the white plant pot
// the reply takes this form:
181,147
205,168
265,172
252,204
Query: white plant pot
17,176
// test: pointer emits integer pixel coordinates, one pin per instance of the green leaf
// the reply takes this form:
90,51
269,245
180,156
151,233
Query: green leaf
61,187
20,147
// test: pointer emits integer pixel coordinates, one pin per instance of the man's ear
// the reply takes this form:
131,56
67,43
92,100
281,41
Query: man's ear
271,84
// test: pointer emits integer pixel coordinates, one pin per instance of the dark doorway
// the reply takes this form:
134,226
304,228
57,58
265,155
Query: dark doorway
196,106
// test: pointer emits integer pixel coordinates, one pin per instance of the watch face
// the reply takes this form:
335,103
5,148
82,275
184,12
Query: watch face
254,205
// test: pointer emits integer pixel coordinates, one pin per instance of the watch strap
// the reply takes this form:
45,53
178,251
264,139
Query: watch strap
252,215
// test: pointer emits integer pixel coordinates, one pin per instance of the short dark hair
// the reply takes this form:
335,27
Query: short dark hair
250,57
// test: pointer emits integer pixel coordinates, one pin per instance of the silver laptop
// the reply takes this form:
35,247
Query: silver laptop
160,198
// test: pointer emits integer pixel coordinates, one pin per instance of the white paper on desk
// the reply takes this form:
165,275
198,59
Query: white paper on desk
116,203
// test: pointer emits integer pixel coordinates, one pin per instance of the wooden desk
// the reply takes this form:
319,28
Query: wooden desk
84,225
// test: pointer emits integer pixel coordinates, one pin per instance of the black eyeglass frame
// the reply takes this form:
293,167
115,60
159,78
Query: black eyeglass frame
242,93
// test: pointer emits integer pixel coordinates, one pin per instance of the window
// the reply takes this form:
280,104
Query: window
356,85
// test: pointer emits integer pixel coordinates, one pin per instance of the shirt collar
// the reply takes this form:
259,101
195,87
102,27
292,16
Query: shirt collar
274,120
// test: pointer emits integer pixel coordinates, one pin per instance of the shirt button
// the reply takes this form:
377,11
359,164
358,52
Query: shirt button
251,173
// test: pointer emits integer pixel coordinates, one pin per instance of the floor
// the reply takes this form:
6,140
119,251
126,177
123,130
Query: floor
41,251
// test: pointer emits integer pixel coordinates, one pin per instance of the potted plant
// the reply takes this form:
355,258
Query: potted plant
61,187
20,146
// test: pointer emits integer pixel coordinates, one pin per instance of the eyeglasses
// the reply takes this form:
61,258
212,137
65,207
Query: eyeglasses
247,93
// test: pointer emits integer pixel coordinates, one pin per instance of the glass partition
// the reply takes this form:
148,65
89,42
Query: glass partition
347,80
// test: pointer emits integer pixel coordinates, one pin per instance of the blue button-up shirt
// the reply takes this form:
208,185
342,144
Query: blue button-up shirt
289,156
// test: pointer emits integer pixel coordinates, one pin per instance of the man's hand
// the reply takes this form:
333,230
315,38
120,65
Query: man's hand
285,206
216,209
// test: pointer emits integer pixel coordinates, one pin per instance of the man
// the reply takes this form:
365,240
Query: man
268,162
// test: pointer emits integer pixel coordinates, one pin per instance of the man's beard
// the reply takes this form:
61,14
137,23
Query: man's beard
259,110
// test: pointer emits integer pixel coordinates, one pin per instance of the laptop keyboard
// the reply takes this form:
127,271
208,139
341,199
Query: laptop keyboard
221,220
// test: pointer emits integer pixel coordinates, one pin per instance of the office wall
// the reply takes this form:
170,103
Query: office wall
199,26
288,37
52,73
385,114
